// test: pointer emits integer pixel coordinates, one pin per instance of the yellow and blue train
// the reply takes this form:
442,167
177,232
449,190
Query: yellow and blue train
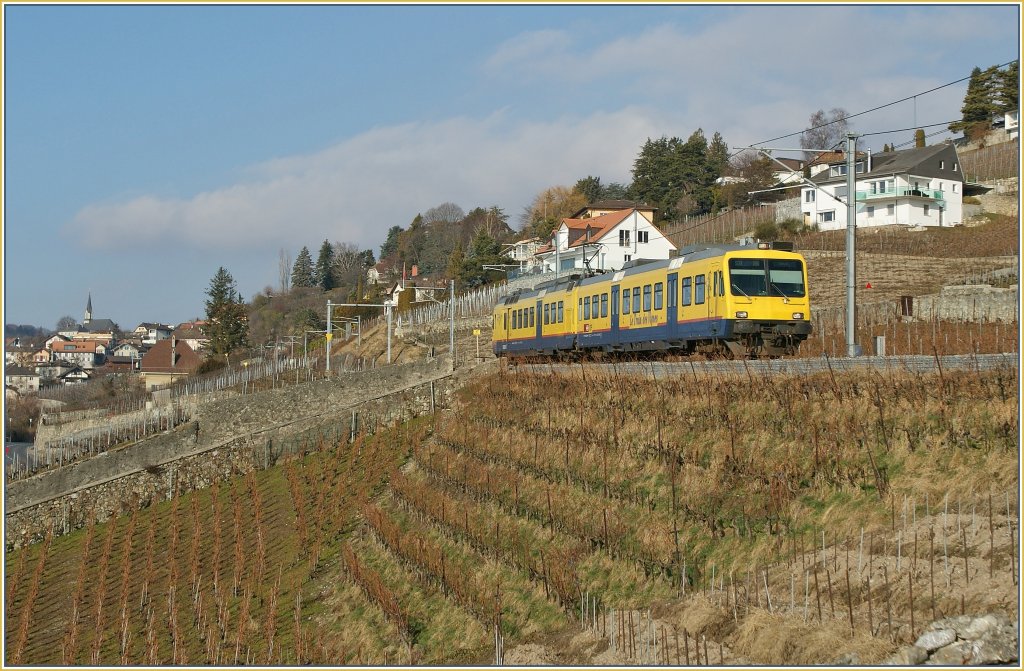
731,300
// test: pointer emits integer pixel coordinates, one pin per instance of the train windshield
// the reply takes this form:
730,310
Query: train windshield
767,277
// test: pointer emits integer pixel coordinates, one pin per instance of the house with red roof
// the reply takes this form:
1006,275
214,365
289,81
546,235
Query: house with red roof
598,239
167,361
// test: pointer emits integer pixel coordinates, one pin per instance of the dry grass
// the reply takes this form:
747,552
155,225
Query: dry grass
768,638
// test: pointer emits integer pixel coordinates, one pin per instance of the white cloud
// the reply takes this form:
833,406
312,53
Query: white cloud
357,189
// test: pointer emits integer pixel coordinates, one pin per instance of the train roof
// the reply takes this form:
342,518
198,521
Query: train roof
689,253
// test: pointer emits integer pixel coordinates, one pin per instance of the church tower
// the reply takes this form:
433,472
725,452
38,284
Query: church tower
88,310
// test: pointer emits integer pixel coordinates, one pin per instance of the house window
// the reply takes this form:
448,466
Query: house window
636,299
623,238
890,209
954,167
927,210
837,170
604,305
841,191
825,217
955,189
658,296
942,165
626,258
642,236
871,212
809,196
686,290
698,289
647,298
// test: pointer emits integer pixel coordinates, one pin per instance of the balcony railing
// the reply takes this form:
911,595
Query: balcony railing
932,194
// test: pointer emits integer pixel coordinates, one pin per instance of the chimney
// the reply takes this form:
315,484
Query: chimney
174,347
415,270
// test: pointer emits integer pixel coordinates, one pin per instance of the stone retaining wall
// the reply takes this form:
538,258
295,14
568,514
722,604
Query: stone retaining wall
235,434
970,302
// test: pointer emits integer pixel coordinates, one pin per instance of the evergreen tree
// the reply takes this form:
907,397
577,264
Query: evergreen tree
390,245
919,137
978,107
718,155
227,325
324,273
1006,88
590,188
303,273
456,261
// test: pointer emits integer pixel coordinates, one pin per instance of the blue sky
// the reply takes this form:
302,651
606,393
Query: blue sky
145,146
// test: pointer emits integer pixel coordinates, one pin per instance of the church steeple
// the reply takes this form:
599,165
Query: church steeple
88,309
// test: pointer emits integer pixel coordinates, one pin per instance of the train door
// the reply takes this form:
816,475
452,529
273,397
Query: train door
671,309
539,318
615,312
714,298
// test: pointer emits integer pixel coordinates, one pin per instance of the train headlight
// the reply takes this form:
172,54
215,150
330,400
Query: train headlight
798,315
742,314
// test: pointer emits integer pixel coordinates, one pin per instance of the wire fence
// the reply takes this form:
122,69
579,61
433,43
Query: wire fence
998,161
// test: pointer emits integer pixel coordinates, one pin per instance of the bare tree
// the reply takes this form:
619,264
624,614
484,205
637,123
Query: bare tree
284,270
67,323
825,131
348,262
446,212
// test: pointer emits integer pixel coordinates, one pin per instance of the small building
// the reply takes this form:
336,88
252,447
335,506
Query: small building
85,353
922,186
22,380
605,242
51,371
76,375
149,332
168,361
192,333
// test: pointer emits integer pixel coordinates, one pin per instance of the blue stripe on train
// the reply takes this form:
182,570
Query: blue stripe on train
690,330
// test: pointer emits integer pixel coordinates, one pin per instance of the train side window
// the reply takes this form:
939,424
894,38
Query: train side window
561,312
515,319
687,281
636,299
625,301
658,296
586,307
672,297
604,305
593,306
647,298
579,310
532,322
698,289
505,326
547,310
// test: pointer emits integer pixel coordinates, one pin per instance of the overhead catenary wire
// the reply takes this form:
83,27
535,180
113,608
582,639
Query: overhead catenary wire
875,109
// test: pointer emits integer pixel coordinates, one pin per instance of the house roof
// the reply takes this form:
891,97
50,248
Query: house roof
99,326
791,163
158,358
78,347
19,371
598,226
923,161
612,205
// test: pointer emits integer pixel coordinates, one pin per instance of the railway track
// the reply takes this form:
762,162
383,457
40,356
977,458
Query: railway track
913,364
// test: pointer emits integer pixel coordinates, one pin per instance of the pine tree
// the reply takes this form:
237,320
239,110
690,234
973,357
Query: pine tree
303,273
227,324
1006,87
324,274
919,137
978,107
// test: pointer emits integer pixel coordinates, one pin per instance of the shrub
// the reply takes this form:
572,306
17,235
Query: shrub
971,200
766,231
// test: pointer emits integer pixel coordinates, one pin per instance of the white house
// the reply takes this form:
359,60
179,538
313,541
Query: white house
150,332
914,187
605,242
85,353
524,253
25,381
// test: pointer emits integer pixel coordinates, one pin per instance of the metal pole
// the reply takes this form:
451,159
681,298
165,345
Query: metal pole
451,321
851,237
387,310
329,336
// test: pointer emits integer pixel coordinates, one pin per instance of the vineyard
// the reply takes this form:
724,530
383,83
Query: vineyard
584,518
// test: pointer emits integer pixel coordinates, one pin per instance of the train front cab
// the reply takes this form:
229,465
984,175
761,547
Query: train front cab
766,306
